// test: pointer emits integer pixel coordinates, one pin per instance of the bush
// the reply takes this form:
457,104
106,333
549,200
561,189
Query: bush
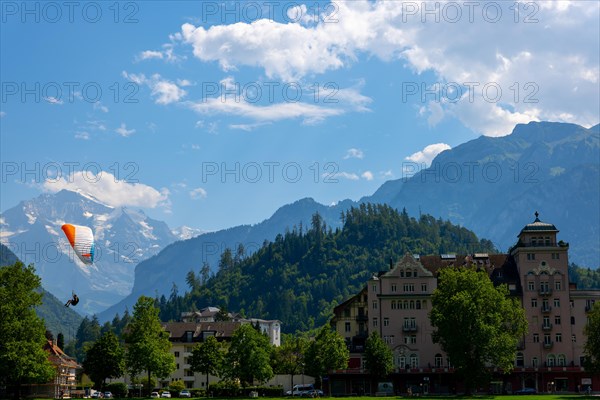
118,389
225,389
198,392
175,387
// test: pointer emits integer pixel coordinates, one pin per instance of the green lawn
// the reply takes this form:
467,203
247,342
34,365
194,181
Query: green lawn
477,397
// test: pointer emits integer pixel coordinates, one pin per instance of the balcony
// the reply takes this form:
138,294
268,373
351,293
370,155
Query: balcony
548,345
409,328
547,327
546,309
545,292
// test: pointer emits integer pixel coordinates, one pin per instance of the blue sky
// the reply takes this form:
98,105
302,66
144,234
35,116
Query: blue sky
215,114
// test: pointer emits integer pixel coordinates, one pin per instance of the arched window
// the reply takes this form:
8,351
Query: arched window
415,274
418,304
406,304
534,362
550,360
561,360
401,273
408,273
520,360
393,304
412,304
438,360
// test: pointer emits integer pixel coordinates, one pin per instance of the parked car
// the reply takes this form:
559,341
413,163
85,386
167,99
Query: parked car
312,393
526,391
166,394
108,395
185,393
154,395
301,390
96,395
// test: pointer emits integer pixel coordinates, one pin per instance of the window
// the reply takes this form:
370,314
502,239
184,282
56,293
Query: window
401,273
546,321
531,286
423,287
188,336
389,339
413,339
408,273
394,287
347,327
573,338
534,362
533,302
561,360
550,360
374,304
438,360
412,304
418,304
409,287
386,322
547,339
414,361
176,354
556,302
402,362
557,319
556,256
374,287
558,338
347,313
394,305
536,338
531,256
557,285
572,320
375,321
520,362
177,365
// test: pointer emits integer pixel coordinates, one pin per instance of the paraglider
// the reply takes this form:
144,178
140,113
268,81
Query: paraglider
72,301
81,239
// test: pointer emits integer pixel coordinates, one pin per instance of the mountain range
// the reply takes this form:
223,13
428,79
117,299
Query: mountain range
123,238
492,186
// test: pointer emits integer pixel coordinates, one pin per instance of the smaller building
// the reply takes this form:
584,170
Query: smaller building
64,383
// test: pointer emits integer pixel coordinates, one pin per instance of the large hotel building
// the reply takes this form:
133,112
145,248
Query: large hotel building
396,304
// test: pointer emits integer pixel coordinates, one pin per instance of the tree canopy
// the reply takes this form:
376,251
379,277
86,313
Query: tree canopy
476,323
379,359
207,358
249,356
148,346
22,333
592,344
327,352
104,359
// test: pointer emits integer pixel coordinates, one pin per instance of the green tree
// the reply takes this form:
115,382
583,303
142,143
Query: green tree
104,359
592,344
207,358
22,333
379,359
147,343
249,356
476,323
176,387
60,340
289,357
328,351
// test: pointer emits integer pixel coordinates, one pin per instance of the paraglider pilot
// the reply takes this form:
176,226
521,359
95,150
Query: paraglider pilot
72,301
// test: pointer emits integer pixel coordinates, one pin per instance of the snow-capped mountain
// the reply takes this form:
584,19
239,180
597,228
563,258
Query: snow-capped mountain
123,236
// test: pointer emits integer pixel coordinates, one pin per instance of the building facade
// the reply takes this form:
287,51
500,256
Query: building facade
396,304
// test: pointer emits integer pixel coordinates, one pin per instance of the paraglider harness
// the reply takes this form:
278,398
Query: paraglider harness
72,301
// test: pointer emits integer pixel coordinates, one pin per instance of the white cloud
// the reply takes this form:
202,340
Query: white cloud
54,100
109,190
198,193
537,62
386,174
83,135
427,155
99,106
164,91
354,153
248,127
310,113
2,114
150,54
368,175
123,131
332,177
